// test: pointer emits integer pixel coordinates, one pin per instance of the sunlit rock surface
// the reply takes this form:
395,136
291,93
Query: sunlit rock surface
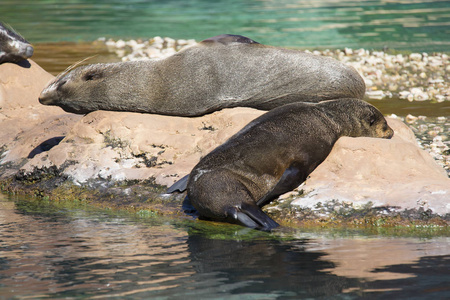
25,123
118,146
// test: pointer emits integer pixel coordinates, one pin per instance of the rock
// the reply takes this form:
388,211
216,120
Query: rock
26,123
415,57
120,146
375,94
21,84
419,94
394,173
117,146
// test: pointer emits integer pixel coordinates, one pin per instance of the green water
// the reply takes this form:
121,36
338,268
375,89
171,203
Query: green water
63,251
412,25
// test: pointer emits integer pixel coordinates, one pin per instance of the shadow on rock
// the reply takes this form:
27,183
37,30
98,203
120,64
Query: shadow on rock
45,146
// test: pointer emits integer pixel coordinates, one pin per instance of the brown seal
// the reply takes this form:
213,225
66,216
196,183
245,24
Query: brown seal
223,71
272,155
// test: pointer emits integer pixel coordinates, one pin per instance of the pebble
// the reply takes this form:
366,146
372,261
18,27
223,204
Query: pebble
414,77
154,48
432,135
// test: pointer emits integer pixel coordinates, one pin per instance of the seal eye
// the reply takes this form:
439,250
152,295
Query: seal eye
91,76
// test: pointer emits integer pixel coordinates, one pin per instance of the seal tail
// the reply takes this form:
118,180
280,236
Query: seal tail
179,186
251,216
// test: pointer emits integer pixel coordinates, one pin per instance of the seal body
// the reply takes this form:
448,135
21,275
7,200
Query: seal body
274,154
13,47
223,71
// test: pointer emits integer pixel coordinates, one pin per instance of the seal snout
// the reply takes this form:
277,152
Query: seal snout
388,132
28,51
48,96
43,99
21,49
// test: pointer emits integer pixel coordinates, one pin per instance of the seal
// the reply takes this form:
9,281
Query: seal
272,155
13,47
219,72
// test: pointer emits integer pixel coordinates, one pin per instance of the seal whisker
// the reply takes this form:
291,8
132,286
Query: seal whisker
73,66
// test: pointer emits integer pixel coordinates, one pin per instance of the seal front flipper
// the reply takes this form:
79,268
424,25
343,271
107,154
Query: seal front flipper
226,39
179,186
291,178
251,216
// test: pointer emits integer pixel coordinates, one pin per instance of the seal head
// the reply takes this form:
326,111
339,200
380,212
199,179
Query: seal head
13,47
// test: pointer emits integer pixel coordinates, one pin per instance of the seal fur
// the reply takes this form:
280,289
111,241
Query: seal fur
219,72
272,155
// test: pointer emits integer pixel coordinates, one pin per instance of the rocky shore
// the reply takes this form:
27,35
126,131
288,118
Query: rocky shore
128,159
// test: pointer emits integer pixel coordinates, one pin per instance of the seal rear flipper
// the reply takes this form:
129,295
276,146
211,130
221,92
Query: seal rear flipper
179,186
251,216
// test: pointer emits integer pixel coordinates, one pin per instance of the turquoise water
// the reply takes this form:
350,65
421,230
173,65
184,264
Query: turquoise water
65,251
412,25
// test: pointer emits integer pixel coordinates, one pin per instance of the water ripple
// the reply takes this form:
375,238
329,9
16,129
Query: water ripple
415,25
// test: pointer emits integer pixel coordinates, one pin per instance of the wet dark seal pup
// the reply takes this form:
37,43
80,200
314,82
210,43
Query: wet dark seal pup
272,155
223,71
13,47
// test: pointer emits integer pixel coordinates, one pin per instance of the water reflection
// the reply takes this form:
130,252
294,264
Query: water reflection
67,254
57,251
266,267
426,278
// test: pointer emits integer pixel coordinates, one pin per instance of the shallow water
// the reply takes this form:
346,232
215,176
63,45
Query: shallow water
66,250
414,25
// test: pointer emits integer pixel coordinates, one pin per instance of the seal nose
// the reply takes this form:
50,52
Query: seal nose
389,133
29,51
46,96
43,99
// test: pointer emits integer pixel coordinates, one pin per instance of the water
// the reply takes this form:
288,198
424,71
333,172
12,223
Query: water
58,251
414,25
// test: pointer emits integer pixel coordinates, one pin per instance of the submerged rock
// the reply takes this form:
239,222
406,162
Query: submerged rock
121,146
